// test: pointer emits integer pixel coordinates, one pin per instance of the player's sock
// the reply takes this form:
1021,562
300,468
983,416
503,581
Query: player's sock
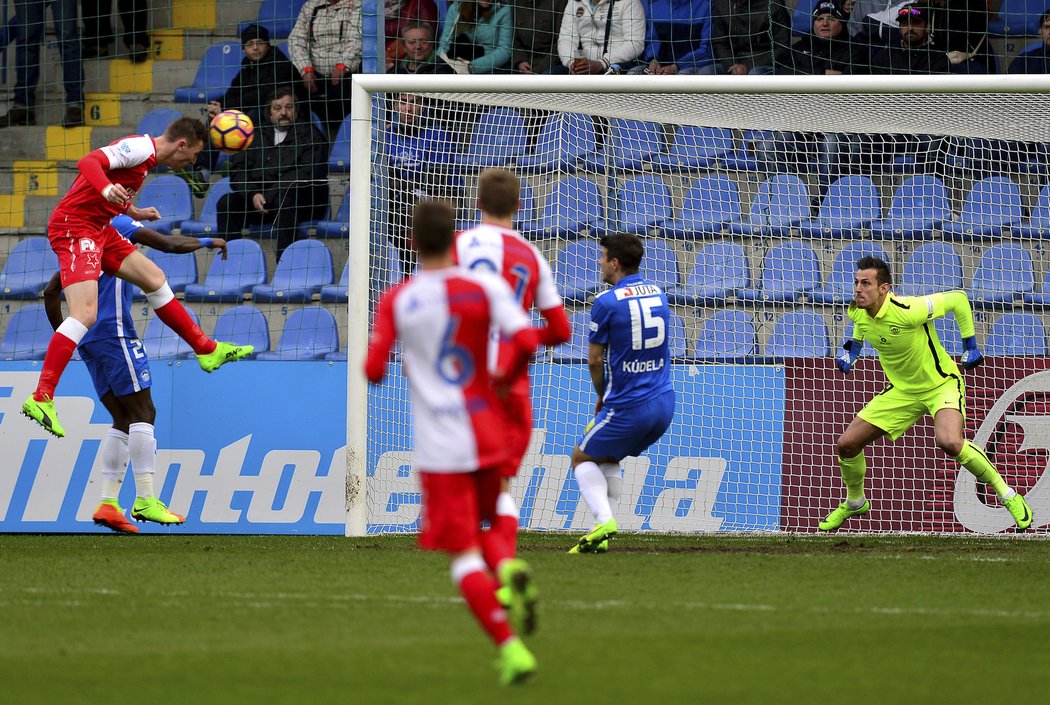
614,481
853,470
595,490
478,588
174,316
143,449
59,352
973,459
114,452
506,522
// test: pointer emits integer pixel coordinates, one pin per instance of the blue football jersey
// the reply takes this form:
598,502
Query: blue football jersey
633,321
115,295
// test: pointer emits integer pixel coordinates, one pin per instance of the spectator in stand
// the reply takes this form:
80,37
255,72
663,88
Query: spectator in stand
827,50
477,37
586,47
535,30
1036,59
281,179
98,31
418,40
399,15
959,28
874,21
749,37
914,54
677,37
325,44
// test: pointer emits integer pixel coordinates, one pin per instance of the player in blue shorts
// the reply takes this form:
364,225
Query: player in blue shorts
119,369
630,364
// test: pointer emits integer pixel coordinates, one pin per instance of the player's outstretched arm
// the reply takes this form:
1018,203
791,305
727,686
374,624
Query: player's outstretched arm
53,301
851,350
178,244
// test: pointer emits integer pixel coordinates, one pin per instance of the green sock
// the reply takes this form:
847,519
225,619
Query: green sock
853,470
973,459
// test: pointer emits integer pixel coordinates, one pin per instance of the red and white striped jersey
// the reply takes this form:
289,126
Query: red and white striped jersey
442,318
126,162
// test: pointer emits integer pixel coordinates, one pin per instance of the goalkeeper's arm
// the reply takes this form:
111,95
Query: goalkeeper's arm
958,303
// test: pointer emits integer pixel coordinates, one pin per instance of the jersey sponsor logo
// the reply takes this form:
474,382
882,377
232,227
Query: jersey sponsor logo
125,148
630,292
640,366
88,245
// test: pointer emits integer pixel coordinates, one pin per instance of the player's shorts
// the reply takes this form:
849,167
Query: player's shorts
117,365
454,505
895,411
620,433
516,412
84,251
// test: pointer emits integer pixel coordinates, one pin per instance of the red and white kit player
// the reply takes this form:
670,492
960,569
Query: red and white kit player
109,179
495,246
442,316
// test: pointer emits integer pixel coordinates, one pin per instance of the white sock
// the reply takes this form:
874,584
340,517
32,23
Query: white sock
143,449
614,479
506,506
462,566
114,463
160,297
595,490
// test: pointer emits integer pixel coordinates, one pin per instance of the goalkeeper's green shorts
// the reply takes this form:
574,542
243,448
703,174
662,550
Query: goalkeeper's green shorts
895,411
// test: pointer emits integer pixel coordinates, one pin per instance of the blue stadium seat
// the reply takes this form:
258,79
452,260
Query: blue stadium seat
711,204
1003,275
171,196
919,206
28,269
28,334
524,221
498,140
1016,333
694,148
644,203
336,228
161,342
931,267
851,203
782,202
277,16
838,289
337,356
993,203
228,280
220,63
576,272
789,270
802,17
339,156
181,270
338,293
574,206
720,269
303,269
309,333
208,224
563,140
799,333
1037,225
948,333
745,157
1016,18
575,349
156,121
676,343
243,325
630,146
660,265
726,334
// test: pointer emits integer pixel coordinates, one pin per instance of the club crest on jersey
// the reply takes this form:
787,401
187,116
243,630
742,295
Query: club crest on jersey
88,245
895,330
144,376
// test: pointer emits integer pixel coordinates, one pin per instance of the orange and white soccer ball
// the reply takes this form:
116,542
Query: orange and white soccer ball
231,131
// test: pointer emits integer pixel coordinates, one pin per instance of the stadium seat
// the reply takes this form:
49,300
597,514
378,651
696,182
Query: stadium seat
243,325
171,196
228,280
207,225
782,202
303,269
336,228
219,65
694,148
838,289
563,140
948,333
28,269
802,17
993,203
161,342
524,221
799,333
337,356
643,203
309,333
720,269
576,272
339,156
498,140
726,334
573,207
1016,18
28,334
1037,225
1016,333
676,344
711,204
660,265
851,203
277,16
156,121
931,267
920,205
745,157
181,270
338,293
575,349
1003,275
630,146
789,270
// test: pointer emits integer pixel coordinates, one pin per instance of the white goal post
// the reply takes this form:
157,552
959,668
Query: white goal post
752,448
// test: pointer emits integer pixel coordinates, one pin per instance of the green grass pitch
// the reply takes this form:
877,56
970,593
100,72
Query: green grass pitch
209,619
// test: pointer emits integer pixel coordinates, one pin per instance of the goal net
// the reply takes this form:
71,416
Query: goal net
754,198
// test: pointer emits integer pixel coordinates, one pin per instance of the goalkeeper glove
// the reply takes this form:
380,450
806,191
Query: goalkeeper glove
849,356
971,356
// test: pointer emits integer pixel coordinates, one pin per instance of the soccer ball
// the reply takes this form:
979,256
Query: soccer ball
231,131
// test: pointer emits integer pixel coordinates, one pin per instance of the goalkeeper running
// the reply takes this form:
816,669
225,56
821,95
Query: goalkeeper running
922,378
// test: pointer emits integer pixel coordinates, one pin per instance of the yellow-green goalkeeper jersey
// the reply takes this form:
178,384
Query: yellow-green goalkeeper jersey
903,334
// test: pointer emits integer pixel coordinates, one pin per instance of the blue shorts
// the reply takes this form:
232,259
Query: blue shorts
619,433
117,365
